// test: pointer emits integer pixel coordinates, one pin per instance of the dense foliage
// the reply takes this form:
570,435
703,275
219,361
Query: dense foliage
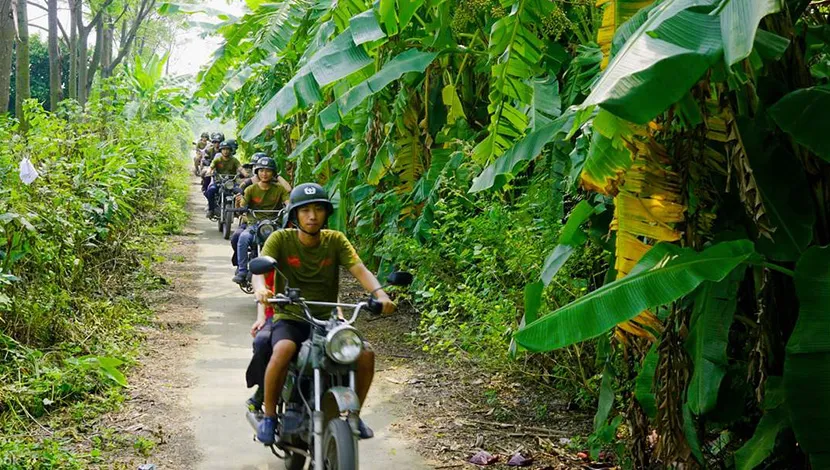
680,142
77,248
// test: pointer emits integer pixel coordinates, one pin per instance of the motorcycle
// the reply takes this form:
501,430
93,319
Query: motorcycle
224,203
318,410
263,228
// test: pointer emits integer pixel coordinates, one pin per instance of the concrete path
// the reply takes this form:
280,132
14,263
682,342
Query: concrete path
217,398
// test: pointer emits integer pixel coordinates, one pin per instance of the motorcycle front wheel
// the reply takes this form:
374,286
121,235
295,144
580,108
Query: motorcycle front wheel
339,446
228,218
294,461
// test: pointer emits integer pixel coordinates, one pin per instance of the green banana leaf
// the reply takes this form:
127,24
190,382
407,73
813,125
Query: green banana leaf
783,186
630,26
664,274
661,61
803,115
388,16
757,449
516,53
606,396
554,262
739,21
569,239
807,360
644,385
334,61
690,432
528,148
547,104
338,59
706,344
412,60
365,28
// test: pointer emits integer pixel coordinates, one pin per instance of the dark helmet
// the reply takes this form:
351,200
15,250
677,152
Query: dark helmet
205,135
265,163
305,194
233,144
217,137
225,145
257,156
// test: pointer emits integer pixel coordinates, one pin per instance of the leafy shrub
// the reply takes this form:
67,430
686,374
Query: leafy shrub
470,276
75,251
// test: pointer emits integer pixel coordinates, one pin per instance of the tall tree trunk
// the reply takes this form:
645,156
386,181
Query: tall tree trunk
22,85
73,50
6,47
106,51
83,41
54,56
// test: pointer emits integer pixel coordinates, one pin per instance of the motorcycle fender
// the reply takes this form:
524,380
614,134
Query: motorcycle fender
343,399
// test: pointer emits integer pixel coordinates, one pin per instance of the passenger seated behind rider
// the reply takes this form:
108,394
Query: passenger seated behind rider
224,164
264,195
310,256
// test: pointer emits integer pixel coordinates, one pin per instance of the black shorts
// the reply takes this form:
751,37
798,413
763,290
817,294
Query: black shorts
295,331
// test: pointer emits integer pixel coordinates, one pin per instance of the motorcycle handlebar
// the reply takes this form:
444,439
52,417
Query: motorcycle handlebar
372,305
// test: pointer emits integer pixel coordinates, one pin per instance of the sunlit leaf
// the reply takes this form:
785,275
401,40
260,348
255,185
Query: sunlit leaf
663,275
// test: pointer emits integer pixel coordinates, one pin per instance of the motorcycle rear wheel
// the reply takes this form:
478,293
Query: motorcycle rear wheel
339,446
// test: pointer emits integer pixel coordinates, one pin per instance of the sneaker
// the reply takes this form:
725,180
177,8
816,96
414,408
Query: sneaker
240,277
265,431
255,402
365,431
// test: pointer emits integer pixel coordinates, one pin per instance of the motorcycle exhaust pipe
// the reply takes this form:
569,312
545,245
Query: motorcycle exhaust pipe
253,419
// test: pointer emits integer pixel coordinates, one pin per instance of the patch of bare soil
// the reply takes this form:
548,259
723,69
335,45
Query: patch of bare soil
153,421
454,409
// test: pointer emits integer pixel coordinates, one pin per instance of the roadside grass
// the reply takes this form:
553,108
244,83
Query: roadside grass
82,242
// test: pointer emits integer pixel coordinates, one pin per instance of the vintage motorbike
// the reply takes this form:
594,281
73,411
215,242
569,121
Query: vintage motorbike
224,203
263,228
318,409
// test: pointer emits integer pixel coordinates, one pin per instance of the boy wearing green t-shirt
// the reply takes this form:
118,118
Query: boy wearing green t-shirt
224,164
263,195
310,257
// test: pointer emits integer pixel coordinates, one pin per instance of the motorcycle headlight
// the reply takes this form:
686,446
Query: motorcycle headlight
265,230
229,185
344,344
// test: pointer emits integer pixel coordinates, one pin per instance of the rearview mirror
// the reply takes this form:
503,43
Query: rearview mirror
399,278
262,265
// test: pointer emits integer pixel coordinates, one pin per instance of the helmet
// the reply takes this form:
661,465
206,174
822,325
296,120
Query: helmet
305,194
225,145
233,144
257,156
217,137
205,135
265,163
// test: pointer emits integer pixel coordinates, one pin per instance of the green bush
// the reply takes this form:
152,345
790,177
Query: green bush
75,253
471,274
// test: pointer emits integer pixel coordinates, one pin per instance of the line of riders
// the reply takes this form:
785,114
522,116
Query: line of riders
310,366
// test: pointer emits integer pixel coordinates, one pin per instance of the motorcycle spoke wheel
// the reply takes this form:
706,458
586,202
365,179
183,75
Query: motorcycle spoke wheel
339,446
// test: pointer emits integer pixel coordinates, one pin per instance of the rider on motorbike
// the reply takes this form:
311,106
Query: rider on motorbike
201,145
264,195
211,151
310,257
224,164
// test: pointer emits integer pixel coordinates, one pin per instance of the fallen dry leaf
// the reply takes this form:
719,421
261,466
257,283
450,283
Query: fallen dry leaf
519,460
484,458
